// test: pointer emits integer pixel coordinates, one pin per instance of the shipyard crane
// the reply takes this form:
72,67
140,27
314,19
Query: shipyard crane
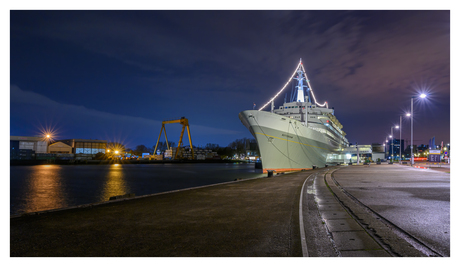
185,124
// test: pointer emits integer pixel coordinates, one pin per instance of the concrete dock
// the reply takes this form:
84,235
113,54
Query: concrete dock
255,218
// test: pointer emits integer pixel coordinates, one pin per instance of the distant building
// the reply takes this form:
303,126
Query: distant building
423,147
60,148
378,152
86,146
26,147
351,153
252,149
377,147
198,153
393,146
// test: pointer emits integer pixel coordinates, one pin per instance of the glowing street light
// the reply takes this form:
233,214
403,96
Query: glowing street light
412,127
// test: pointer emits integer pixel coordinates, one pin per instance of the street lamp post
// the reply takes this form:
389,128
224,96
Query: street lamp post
412,131
412,128
386,141
400,141
408,114
393,141
391,146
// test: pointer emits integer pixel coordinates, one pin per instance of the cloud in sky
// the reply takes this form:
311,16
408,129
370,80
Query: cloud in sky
210,65
92,123
365,50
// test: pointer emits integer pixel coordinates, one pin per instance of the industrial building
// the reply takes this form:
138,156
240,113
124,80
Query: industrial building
86,146
185,152
26,147
60,147
36,144
33,147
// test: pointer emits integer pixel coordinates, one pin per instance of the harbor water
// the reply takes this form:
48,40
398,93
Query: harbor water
45,187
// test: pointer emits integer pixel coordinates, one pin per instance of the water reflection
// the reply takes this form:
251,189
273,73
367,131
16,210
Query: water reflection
37,188
45,189
115,183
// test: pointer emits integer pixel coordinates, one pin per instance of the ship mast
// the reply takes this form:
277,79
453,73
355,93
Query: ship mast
300,96
300,85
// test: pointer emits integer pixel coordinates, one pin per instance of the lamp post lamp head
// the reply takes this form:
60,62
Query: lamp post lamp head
422,95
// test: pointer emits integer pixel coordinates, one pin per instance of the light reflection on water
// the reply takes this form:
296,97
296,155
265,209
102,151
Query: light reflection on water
115,184
44,187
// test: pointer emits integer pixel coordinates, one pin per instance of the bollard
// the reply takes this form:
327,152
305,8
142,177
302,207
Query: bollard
270,173
122,196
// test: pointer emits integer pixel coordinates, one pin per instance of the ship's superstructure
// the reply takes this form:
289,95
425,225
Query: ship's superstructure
297,135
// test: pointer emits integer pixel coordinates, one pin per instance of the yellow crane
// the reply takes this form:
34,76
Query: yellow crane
185,124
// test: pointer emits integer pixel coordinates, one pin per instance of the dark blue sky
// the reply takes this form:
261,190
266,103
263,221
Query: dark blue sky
115,75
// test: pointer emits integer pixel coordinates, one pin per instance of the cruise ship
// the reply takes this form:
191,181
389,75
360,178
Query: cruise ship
299,135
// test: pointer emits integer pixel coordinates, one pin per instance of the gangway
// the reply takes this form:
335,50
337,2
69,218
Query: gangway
185,124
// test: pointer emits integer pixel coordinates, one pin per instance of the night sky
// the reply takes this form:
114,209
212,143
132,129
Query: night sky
115,75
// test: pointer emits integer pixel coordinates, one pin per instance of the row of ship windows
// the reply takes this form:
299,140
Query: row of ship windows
318,129
330,121
293,107
328,133
333,129
289,107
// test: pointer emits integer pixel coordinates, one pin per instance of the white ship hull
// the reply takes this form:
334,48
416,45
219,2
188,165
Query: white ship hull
286,144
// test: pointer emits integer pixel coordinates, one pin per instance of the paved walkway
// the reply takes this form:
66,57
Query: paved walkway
416,200
349,238
257,217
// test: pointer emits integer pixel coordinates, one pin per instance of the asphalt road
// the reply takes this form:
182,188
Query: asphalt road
416,200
